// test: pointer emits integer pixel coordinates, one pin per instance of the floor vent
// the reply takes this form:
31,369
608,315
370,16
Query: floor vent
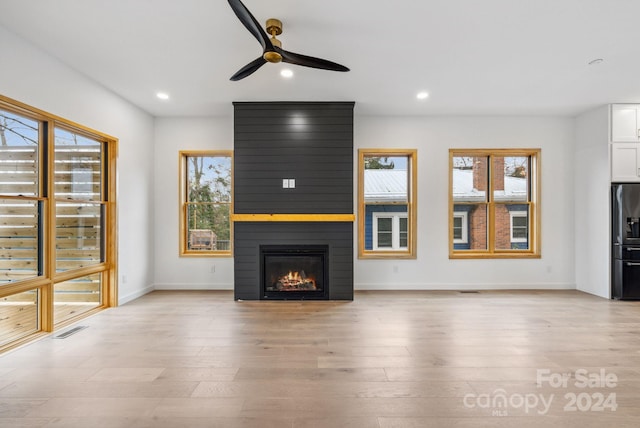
469,291
70,332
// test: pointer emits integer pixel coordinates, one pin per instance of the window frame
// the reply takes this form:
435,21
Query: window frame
411,204
532,202
184,251
48,276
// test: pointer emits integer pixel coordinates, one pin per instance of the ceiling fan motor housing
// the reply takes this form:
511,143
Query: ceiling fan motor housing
272,56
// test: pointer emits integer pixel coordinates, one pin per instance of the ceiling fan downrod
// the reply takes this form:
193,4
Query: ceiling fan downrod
274,27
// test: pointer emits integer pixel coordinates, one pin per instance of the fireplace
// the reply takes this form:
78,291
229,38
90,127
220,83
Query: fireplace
293,226
294,272
329,241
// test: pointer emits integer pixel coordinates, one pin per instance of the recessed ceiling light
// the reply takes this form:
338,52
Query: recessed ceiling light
286,73
162,95
422,95
595,61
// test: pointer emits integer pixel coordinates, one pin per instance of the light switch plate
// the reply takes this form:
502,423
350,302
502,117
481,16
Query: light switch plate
285,183
292,183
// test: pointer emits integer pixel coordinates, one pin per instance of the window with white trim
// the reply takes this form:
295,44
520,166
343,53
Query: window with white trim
460,228
390,231
519,226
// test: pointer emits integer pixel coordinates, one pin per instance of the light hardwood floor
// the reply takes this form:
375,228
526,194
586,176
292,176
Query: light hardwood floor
387,359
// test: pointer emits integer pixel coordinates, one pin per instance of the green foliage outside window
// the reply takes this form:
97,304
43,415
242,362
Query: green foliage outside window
209,197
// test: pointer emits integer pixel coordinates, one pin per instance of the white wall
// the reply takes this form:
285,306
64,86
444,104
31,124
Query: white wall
172,135
30,76
592,199
433,137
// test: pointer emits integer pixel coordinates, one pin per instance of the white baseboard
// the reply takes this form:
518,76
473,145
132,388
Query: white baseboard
193,286
133,296
372,286
606,295
467,286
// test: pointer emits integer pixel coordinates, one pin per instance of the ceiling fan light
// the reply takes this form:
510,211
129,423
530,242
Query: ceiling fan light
286,73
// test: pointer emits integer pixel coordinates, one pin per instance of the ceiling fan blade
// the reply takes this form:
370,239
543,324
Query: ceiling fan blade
249,69
309,61
251,23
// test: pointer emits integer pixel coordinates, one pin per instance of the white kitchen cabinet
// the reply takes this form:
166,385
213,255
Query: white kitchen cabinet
625,162
625,122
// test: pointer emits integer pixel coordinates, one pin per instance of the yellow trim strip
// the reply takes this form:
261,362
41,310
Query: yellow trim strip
293,217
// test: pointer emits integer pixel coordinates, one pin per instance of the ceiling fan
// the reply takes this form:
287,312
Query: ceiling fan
271,47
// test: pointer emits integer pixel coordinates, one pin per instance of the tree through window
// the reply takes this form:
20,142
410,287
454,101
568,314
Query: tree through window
206,203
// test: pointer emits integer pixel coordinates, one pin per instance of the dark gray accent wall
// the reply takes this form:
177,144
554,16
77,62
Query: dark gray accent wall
248,236
311,142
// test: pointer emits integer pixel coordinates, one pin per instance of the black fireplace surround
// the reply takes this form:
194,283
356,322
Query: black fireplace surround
293,196
251,237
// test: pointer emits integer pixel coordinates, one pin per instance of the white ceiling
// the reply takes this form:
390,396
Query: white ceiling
473,57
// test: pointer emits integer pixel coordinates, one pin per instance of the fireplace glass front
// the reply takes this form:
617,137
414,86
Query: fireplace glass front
294,272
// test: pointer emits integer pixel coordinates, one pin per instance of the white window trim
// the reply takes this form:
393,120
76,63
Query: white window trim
513,214
395,230
465,227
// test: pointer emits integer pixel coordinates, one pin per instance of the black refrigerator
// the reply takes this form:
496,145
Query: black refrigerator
625,234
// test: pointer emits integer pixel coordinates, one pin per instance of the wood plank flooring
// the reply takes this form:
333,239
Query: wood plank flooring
385,360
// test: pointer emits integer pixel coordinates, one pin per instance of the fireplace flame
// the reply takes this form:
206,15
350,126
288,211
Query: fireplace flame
294,281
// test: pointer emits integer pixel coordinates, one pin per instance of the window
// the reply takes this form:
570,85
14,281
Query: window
20,316
57,222
22,203
494,201
519,228
460,228
387,203
206,203
78,189
390,232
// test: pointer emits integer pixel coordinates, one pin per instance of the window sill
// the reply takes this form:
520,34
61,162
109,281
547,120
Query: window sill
496,255
386,255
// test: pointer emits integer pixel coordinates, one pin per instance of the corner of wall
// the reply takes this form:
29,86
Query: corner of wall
591,202
122,300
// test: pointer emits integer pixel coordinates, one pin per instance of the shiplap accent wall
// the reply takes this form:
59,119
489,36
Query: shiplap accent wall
311,143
